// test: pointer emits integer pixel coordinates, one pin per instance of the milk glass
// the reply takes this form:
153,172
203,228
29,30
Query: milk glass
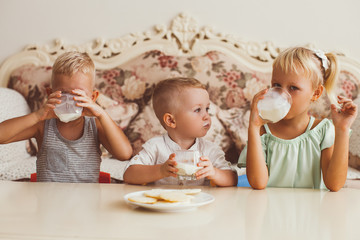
187,161
275,105
67,110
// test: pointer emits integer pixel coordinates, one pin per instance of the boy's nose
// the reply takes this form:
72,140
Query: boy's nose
206,116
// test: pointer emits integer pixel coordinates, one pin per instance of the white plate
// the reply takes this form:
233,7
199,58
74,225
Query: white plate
199,199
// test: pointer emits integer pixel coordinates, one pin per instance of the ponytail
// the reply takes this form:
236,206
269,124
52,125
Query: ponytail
331,77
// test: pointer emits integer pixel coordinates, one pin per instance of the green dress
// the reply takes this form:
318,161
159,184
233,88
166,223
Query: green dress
295,163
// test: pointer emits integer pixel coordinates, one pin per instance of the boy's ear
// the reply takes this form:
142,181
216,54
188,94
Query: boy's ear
48,91
317,94
94,95
169,120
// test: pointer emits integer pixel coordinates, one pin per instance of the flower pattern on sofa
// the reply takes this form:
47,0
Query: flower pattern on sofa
126,93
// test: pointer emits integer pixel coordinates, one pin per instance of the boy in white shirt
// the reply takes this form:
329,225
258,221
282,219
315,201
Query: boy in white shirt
181,105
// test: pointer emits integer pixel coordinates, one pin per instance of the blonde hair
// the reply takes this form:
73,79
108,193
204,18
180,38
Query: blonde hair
70,63
303,59
166,92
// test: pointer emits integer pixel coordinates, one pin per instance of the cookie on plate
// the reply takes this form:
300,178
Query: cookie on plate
154,193
143,199
190,191
175,196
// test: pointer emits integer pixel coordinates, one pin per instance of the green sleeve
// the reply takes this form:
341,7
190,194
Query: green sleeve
242,157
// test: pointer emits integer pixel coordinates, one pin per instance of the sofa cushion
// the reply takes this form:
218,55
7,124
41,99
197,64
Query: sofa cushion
13,105
15,162
126,92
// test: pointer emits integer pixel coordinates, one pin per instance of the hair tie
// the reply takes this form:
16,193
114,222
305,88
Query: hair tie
324,60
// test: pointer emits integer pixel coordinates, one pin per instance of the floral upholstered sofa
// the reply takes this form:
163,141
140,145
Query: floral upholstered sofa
127,70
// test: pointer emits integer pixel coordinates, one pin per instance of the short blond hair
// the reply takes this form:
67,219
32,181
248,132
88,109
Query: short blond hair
70,63
297,59
166,93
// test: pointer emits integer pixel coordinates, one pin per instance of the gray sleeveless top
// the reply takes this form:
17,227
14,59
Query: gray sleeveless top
63,160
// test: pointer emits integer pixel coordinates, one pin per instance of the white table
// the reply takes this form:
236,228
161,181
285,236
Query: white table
98,211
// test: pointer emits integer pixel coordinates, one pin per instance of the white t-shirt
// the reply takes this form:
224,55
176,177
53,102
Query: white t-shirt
158,149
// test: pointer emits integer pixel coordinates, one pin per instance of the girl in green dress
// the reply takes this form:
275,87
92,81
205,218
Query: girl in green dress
299,150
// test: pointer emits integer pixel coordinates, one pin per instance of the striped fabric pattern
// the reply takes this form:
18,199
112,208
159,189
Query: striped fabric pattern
63,160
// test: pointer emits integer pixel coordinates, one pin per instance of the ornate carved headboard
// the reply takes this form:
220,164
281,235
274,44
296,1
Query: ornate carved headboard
182,38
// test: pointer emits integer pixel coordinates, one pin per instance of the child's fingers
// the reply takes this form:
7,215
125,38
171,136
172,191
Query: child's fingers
78,92
172,156
51,106
205,162
83,104
340,97
203,158
172,162
259,96
202,173
349,107
56,94
53,101
172,171
83,99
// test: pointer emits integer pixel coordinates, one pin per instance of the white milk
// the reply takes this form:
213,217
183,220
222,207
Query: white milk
275,114
68,117
186,169
67,110
274,106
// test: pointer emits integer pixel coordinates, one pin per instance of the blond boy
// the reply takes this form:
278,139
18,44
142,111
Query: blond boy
69,152
181,105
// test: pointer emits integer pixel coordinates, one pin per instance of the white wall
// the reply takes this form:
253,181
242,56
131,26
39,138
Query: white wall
330,24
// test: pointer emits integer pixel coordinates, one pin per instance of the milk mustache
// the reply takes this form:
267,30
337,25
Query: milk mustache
275,105
67,110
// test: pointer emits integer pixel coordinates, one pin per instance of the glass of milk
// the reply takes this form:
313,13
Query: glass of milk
67,110
187,161
275,105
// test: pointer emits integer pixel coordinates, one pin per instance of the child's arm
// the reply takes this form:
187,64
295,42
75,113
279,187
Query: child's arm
25,127
219,177
110,135
256,170
334,160
142,174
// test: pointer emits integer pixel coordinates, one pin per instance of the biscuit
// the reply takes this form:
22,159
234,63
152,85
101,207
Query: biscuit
142,199
154,193
190,191
175,196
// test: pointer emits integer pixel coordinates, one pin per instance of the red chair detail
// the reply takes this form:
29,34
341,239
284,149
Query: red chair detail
104,177
33,177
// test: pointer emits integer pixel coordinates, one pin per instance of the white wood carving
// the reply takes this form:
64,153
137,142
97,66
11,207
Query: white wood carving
183,37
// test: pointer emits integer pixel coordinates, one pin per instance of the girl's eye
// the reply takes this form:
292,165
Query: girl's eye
293,88
197,110
276,85
207,109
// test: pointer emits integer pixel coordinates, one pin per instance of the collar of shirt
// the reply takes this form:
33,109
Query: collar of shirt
174,146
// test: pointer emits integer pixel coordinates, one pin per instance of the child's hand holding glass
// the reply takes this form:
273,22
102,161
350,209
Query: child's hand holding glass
168,168
47,111
207,170
85,101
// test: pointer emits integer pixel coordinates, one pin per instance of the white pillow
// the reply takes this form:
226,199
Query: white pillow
12,104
